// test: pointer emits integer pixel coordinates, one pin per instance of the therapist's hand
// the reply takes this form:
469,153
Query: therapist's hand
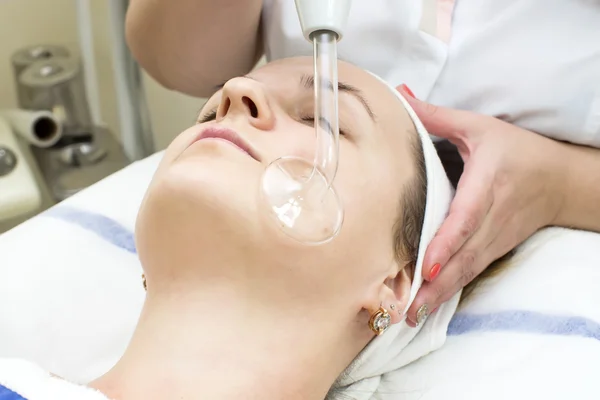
510,188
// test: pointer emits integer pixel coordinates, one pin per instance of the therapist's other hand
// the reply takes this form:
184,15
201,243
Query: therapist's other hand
510,188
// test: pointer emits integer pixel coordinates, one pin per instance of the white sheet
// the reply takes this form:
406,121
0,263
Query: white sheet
22,379
70,293
69,296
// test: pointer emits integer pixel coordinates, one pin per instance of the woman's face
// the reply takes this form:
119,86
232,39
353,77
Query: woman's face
202,216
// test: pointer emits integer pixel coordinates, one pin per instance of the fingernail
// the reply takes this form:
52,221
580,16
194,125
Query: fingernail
422,314
408,91
435,271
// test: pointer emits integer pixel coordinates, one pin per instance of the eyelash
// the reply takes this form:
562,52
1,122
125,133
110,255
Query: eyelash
209,116
311,119
212,115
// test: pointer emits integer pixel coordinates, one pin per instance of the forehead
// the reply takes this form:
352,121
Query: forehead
288,72
285,76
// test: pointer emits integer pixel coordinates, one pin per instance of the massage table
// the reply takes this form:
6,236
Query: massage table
71,292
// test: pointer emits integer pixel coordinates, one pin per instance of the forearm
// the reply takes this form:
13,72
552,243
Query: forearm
193,45
581,188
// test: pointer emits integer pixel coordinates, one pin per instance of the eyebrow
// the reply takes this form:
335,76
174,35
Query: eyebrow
308,82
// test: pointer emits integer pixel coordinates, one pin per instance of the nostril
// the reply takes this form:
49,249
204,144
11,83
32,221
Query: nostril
251,106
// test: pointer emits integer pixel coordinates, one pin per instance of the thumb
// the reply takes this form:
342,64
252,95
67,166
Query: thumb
447,123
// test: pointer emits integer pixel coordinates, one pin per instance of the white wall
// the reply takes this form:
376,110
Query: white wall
29,22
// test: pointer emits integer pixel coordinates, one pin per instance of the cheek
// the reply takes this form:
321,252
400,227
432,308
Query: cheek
289,138
370,201
354,179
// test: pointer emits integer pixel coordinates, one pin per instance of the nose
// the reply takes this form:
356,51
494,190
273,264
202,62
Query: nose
246,98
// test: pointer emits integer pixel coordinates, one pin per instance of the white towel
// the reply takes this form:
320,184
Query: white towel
22,380
531,333
400,344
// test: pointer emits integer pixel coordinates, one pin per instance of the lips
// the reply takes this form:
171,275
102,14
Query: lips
226,134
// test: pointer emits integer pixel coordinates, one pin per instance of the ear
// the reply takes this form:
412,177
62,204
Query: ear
392,294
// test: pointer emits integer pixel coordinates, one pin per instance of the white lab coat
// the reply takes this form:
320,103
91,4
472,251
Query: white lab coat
533,63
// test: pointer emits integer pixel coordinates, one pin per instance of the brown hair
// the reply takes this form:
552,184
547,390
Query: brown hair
407,231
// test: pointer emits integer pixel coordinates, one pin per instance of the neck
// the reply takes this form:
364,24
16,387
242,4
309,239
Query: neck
216,343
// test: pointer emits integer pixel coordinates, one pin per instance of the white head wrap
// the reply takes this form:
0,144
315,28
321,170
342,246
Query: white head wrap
400,344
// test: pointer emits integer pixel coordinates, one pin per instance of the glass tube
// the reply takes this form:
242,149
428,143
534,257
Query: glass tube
299,193
326,104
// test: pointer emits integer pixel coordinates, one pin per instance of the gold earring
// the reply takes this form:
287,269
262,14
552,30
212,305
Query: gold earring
144,282
380,321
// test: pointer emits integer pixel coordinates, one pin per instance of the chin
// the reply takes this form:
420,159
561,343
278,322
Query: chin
213,171
198,204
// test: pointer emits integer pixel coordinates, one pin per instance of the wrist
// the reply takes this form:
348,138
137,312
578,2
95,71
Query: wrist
560,175
563,191
578,172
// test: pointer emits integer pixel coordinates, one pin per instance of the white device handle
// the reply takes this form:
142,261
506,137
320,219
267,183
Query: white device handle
19,192
329,15
39,128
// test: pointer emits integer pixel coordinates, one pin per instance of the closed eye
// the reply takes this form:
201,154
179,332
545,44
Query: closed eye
212,115
209,116
325,124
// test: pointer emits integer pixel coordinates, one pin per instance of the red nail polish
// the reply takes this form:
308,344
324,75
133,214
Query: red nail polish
408,91
435,271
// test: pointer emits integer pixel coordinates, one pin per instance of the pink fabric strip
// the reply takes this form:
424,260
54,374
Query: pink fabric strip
444,19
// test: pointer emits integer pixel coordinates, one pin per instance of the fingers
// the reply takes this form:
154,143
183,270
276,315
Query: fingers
460,270
454,125
499,232
453,257
468,210
459,273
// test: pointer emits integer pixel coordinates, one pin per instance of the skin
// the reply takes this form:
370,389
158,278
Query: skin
171,41
234,308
